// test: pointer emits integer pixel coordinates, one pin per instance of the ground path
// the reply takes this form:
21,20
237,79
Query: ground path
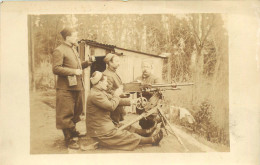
46,139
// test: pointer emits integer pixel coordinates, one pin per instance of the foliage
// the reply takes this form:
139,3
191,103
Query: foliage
206,126
44,76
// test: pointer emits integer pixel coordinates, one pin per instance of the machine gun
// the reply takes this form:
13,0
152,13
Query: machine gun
155,103
154,89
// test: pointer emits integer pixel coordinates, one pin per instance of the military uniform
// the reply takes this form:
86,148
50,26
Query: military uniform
114,82
68,98
149,121
100,126
148,79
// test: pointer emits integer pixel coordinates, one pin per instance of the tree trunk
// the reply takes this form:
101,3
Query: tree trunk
31,50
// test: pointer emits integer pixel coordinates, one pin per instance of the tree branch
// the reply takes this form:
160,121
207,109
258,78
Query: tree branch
205,37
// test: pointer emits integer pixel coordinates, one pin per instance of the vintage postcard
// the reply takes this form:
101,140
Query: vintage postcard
130,82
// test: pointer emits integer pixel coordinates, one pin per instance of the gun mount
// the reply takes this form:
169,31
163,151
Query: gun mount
150,98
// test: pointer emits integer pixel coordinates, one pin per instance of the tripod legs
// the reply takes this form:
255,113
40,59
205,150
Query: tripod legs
164,119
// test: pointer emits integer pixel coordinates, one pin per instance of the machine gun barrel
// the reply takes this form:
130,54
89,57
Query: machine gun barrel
139,87
171,85
163,89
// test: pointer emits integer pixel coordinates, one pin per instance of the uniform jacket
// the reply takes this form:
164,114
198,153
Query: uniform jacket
65,62
149,80
99,106
114,81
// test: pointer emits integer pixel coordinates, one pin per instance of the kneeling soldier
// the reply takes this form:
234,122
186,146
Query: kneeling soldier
100,126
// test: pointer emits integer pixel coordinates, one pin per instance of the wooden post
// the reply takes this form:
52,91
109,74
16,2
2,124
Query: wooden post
169,69
134,95
81,50
87,75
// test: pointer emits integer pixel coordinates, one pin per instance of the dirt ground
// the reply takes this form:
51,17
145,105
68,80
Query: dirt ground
46,139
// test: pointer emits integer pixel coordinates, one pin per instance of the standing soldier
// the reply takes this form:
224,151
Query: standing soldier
68,67
114,82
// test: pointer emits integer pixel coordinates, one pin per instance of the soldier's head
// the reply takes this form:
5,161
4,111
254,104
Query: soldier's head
112,60
69,35
99,79
146,67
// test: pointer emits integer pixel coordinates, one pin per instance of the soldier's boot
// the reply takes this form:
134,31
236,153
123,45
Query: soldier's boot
75,133
154,140
157,138
66,133
147,123
69,142
73,144
146,132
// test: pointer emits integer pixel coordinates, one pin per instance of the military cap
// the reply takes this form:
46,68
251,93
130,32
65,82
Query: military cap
108,57
96,77
67,32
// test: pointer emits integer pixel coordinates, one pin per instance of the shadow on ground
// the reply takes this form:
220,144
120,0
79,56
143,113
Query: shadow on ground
46,139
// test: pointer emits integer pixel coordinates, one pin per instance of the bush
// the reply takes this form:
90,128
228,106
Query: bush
206,126
44,77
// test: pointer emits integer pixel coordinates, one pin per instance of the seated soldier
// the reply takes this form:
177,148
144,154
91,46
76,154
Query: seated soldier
100,126
147,78
114,82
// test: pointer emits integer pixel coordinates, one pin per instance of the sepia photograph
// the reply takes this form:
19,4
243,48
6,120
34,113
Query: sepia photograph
135,83
130,82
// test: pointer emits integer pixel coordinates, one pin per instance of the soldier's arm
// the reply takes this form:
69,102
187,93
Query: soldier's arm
57,65
85,64
125,102
103,102
110,85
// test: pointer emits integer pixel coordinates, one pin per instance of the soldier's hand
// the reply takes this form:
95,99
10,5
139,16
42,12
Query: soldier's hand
90,63
93,59
78,72
118,91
